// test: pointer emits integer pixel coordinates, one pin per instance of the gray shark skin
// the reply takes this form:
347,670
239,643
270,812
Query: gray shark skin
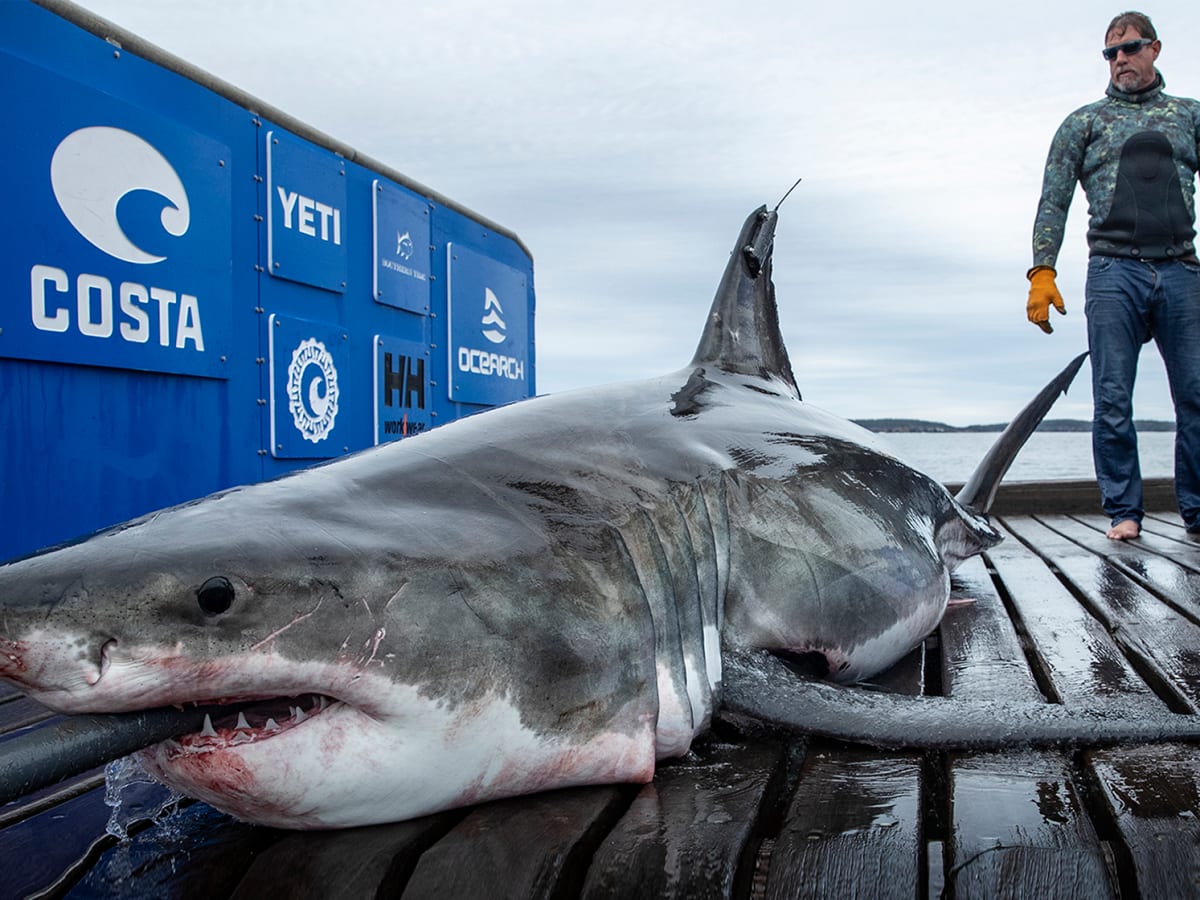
534,597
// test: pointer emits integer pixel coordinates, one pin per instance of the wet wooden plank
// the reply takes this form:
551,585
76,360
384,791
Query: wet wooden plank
1020,830
1161,533
1076,654
905,677
1017,826
350,863
1166,567
1166,644
1153,794
981,653
35,852
191,853
21,712
853,828
534,846
688,833
1020,498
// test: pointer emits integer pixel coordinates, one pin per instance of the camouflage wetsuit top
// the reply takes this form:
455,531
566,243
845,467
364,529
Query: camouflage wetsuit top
1136,157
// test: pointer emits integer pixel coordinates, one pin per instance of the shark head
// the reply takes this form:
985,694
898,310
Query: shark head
379,689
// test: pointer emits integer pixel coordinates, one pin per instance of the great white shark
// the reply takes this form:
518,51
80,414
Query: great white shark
558,592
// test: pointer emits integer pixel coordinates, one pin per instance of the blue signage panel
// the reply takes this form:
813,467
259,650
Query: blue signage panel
402,259
307,222
118,250
488,306
308,403
403,399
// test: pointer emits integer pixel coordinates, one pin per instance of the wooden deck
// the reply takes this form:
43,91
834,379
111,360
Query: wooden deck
1060,613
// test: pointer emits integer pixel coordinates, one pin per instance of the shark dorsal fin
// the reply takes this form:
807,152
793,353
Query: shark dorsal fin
742,333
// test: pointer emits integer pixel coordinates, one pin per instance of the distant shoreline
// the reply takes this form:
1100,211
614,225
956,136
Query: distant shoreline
891,426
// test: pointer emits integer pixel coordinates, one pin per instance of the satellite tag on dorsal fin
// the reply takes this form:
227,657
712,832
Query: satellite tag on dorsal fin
742,333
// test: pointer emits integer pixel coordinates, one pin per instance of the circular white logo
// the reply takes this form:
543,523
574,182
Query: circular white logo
312,389
94,168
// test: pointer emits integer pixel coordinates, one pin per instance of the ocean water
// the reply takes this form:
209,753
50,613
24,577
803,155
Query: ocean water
1048,456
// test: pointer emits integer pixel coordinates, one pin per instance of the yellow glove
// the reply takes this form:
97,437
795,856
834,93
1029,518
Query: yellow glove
1042,292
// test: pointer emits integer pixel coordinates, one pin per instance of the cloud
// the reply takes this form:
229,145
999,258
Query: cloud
626,143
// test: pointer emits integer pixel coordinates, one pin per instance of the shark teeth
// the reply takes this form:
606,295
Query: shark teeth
262,720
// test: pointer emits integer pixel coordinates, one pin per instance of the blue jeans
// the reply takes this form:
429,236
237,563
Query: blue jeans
1128,302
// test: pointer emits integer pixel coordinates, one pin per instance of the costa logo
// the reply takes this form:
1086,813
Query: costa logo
95,168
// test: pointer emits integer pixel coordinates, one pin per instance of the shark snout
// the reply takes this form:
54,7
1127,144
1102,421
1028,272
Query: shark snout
42,663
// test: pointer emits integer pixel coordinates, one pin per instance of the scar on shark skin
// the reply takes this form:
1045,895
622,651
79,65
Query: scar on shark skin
278,631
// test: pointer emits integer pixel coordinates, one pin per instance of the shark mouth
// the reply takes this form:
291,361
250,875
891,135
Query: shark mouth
261,720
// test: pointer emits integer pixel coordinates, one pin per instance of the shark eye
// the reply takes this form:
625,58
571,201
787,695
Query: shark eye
215,596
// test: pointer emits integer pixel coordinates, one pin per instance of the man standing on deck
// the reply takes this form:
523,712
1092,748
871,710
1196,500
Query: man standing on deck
1135,153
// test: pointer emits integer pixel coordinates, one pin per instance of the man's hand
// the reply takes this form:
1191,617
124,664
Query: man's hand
1042,292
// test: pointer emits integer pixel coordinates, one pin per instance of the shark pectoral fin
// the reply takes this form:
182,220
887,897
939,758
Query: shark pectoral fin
758,685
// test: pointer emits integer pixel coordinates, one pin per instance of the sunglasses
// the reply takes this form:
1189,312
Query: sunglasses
1130,48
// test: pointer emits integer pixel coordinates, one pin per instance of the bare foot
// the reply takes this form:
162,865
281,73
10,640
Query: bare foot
1125,530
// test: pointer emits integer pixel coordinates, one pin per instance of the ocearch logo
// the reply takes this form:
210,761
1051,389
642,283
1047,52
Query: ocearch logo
94,168
493,322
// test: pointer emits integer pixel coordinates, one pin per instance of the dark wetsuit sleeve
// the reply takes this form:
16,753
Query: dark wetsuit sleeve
1063,167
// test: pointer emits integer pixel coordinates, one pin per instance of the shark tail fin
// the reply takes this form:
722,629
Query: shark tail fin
742,332
979,492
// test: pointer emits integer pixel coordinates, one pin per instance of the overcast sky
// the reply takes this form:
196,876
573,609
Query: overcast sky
625,143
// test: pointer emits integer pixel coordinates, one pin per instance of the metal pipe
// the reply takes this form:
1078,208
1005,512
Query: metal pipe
43,756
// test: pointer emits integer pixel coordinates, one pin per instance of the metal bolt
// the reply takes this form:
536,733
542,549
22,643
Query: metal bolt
257,217
277,265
